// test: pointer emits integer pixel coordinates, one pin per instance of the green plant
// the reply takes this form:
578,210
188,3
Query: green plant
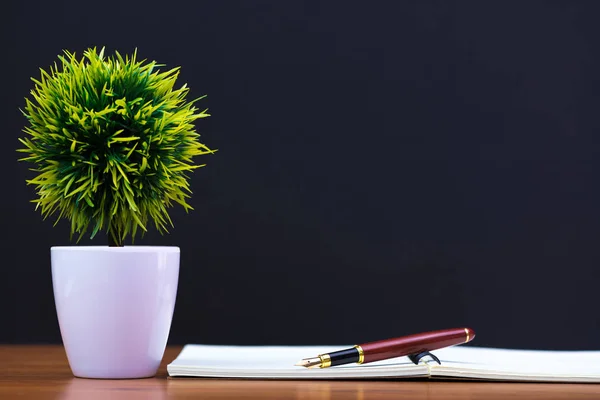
112,141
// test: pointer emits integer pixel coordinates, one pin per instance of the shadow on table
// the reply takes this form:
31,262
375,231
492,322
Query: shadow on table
102,389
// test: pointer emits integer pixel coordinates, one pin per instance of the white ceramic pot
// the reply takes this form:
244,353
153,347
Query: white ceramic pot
115,307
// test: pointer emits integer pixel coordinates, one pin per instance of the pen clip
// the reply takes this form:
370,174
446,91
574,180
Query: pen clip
416,358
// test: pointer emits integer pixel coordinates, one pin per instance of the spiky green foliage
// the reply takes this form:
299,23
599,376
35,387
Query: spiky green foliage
112,141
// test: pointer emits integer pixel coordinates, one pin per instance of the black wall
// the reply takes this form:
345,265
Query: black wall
384,167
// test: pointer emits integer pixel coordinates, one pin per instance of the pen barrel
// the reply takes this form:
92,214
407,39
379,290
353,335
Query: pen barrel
414,344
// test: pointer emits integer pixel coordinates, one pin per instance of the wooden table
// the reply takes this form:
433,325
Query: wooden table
42,372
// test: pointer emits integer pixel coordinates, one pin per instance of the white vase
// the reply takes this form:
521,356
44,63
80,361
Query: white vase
115,307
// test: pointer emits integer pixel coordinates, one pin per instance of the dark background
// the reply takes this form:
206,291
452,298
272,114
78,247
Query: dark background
384,167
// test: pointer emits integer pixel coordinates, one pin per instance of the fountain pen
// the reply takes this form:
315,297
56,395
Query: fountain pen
391,348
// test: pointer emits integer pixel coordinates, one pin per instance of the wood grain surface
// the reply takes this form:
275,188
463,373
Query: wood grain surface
42,372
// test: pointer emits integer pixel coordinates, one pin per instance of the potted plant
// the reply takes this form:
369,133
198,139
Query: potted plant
112,141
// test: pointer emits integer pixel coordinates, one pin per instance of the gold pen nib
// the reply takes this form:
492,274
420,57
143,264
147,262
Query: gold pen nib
309,362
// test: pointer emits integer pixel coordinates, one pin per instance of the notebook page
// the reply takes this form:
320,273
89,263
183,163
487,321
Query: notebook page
528,365
276,362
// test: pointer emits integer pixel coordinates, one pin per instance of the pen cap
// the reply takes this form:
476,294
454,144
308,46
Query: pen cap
414,344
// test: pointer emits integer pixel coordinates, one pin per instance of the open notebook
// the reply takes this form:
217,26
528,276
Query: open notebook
459,362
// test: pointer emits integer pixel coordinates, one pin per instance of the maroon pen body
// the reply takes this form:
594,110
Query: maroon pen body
414,344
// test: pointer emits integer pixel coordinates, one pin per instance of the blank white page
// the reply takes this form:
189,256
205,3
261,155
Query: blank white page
277,362
510,364
463,362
